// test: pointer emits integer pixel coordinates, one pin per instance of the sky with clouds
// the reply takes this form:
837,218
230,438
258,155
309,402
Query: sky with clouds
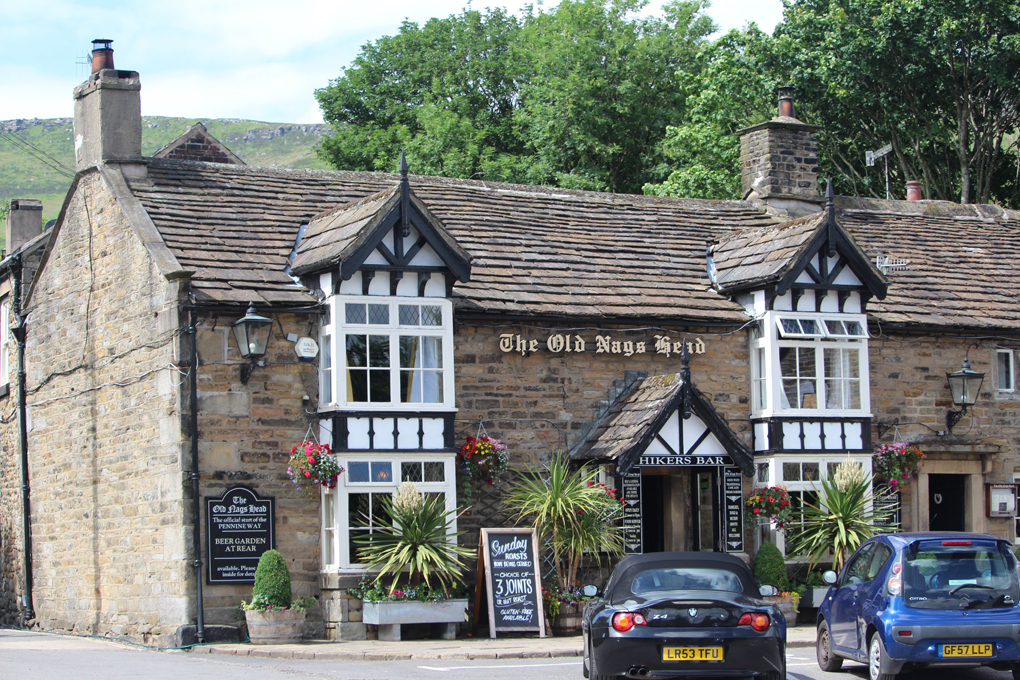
251,59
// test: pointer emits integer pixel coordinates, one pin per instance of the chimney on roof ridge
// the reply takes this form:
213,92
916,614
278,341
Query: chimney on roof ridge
779,162
24,222
108,114
914,192
102,54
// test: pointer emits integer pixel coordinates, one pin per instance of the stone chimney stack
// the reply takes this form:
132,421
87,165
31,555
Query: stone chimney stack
107,113
779,162
24,222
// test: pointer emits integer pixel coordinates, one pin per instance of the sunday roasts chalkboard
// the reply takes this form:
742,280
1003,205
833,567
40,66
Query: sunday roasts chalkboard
512,580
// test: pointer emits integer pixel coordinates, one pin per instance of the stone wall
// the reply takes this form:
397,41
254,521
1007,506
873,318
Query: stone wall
245,436
532,401
109,543
908,384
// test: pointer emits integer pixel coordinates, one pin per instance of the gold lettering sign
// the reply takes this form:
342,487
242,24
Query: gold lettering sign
565,343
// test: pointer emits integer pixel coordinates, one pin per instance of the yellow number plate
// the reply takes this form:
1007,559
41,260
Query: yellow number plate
970,649
692,654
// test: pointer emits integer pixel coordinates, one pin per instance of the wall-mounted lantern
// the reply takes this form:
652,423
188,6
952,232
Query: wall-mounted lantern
252,335
964,385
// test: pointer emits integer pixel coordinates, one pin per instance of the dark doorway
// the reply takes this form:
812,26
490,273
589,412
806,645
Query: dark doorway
946,510
704,509
652,512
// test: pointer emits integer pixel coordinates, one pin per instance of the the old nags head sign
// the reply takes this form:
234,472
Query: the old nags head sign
240,526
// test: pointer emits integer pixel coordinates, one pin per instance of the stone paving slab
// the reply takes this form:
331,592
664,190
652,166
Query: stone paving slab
462,649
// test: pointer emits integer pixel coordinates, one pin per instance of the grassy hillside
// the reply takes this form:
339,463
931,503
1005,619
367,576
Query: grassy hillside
24,176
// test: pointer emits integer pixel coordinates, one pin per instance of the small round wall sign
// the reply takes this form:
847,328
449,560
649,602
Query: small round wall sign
306,349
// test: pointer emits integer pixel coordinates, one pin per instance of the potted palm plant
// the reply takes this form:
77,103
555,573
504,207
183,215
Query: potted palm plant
577,516
273,616
844,518
419,565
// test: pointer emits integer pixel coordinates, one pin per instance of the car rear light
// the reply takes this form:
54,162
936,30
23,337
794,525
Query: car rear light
894,586
905,633
624,621
758,621
956,543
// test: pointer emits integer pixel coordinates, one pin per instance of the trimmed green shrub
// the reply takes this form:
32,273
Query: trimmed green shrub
272,582
769,567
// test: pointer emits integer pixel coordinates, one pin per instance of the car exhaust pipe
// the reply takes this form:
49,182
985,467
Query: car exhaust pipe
637,672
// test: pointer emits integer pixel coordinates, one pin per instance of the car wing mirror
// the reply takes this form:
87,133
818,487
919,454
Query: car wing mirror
829,577
767,590
589,591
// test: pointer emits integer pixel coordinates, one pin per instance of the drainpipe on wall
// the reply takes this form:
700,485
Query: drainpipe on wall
196,505
16,269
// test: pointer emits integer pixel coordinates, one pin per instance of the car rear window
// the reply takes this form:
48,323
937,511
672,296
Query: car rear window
685,578
962,576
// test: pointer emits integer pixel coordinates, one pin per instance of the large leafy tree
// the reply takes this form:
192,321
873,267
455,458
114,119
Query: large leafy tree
733,86
604,89
937,80
444,92
578,96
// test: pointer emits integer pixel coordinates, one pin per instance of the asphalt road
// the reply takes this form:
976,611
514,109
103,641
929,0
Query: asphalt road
39,656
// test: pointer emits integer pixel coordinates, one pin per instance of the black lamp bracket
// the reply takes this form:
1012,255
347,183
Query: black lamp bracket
953,417
246,370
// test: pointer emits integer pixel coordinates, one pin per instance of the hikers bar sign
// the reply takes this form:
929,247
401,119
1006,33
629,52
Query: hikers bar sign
514,597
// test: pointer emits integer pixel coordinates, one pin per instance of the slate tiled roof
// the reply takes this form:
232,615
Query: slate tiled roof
629,420
555,252
762,255
962,269
536,250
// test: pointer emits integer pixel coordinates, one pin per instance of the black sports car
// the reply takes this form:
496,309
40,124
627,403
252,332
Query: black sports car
683,614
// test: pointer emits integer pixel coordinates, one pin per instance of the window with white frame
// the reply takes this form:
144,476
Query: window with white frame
809,362
1004,369
5,341
391,353
356,508
802,477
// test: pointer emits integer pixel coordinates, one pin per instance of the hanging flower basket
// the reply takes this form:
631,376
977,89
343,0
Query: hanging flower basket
769,504
482,460
896,464
311,463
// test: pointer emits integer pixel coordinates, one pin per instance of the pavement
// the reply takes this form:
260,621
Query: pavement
461,648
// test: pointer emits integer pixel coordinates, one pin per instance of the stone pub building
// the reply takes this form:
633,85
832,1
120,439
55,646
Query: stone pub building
692,349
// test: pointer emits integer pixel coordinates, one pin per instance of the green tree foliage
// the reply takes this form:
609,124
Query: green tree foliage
578,96
769,567
604,89
272,581
937,80
444,92
729,89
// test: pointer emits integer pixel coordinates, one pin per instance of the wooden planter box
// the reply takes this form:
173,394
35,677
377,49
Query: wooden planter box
390,615
275,627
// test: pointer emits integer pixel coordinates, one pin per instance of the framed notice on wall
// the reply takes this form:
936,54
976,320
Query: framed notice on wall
239,527
511,580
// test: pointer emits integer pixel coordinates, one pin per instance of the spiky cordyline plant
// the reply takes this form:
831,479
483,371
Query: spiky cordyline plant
417,539
842,520
568,509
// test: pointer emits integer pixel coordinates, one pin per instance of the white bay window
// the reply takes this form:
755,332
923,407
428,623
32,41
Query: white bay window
805,363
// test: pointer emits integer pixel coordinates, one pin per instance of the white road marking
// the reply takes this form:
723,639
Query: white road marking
523,665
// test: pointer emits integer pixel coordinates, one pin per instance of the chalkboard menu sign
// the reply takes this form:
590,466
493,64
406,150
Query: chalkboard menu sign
633,538
512,580
239,527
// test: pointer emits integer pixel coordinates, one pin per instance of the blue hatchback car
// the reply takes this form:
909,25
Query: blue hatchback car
914,600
